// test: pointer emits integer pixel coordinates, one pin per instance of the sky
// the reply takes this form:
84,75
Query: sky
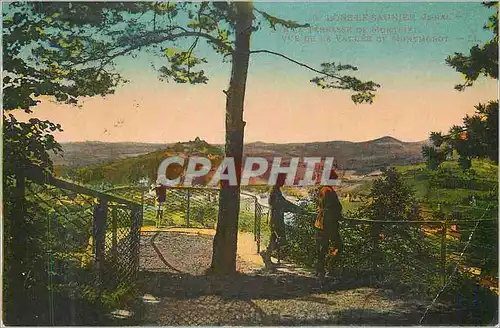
281,105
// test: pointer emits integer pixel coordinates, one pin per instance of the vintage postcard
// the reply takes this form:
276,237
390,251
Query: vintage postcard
250,163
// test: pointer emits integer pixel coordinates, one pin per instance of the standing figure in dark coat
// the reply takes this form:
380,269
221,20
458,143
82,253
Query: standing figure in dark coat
279,205
161,197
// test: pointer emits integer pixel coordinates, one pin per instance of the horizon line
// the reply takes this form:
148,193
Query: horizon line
245,143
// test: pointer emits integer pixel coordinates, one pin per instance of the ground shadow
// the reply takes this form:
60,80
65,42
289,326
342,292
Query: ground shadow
243,286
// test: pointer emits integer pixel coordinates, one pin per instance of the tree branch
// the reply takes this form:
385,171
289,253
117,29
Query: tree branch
297,62
154,17
190,51
169,37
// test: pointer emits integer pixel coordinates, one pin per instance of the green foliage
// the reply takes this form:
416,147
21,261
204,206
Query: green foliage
27,143
402,255
478,137
401,250
455,192
331,79
35,282
301,246
246,221
24,144
180,74
478,305
273,21
449,184
205,213
67,50
482,133
35,44
433,156
40,49
481,60
446,178
391,199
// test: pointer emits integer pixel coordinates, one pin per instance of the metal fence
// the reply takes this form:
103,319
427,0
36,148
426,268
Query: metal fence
426,256
90,243
430,253
433,246
410,252
441,256
195,207
424,252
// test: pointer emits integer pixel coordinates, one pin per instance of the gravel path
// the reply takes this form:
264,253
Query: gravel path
173,266
181,252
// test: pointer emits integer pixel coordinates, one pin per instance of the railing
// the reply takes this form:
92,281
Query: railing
91,239
428,257
193,207
426,251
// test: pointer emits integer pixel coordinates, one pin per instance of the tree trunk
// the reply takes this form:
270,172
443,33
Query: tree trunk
16,296
226,236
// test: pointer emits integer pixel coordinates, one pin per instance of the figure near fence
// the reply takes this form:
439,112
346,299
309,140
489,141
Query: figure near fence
327,226
161,197
279,205
173,171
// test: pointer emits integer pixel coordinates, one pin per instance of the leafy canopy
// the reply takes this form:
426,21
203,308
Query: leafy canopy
67,50
482,60
478,136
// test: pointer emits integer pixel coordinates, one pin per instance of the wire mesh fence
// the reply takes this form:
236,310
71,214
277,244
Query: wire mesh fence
194,207
91,241
187,209
88,242
420,256
439,255
421,253
401,251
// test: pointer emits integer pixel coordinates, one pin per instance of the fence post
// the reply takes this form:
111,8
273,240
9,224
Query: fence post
136,213
255,219
259,224
100,216
188,207
142,211
114,241
443,253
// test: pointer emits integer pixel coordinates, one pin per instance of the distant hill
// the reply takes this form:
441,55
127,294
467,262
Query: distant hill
134,167
96,152
361,157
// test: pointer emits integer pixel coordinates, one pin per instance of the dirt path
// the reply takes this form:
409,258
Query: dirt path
247,248
177,291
